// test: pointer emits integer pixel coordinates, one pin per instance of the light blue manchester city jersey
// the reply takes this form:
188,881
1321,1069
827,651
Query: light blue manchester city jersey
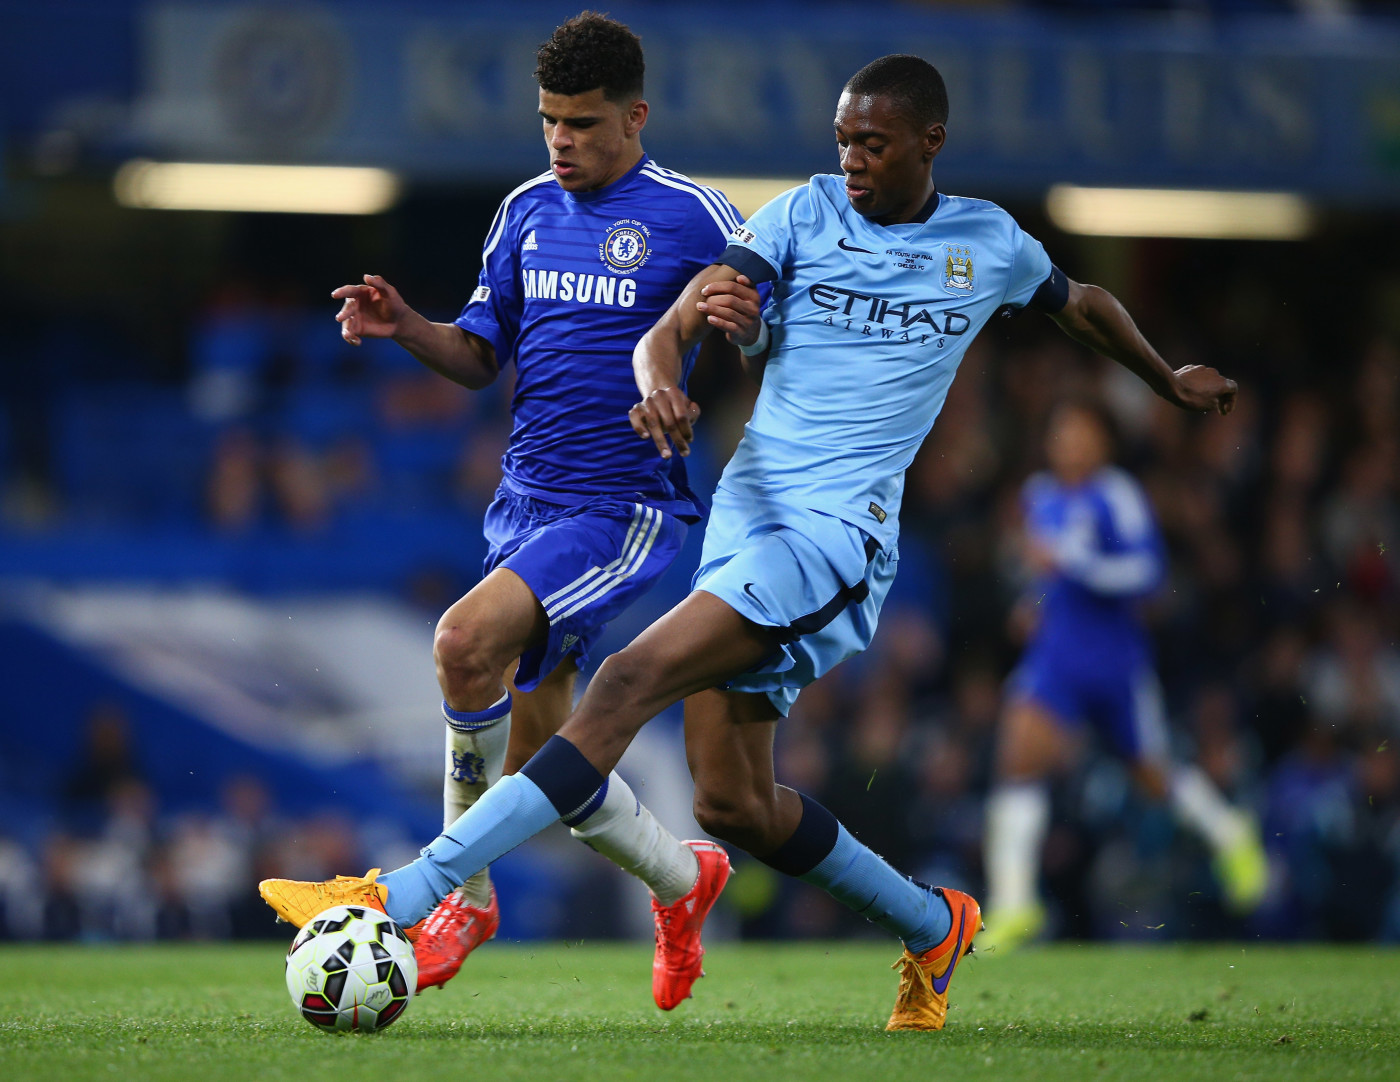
869,324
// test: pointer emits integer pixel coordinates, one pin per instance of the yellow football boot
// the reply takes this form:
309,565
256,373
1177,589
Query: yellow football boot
297,903
922,1002
1008,927
1242,869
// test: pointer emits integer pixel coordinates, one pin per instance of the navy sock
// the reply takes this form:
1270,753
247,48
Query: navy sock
810,843
569,780
822,852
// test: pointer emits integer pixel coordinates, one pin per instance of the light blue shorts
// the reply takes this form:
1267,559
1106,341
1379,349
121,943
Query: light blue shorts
816,577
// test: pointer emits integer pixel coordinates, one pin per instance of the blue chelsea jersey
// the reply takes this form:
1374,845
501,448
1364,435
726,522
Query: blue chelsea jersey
869,323
1108,555
570,281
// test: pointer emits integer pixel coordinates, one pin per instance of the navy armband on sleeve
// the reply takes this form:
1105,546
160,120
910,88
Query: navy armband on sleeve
748,263
1053,294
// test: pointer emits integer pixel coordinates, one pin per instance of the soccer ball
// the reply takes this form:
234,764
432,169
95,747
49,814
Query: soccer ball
351,968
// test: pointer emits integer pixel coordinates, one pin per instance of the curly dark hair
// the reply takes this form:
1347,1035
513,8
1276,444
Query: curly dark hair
911,81
591,51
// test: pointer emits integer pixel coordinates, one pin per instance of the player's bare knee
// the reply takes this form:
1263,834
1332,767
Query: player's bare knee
717,820
468,668
731,817
459,649
623,679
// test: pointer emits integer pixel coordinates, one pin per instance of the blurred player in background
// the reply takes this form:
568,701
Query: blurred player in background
579,263
880,284
1094,551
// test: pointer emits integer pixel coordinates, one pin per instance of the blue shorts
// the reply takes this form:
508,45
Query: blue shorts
816,577
585,564
1115,691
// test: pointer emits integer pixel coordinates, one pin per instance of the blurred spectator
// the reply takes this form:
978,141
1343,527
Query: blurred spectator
107,762
21,895
1361,520
1354,678
108,873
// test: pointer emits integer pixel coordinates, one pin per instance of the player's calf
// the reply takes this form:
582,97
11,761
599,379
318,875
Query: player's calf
621,698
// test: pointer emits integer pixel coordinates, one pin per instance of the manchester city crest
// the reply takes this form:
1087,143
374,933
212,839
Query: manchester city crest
625,248
957,270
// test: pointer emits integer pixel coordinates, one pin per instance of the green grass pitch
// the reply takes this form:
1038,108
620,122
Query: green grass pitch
807,1011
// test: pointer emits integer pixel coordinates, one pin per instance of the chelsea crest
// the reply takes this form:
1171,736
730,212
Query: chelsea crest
957,269
625,248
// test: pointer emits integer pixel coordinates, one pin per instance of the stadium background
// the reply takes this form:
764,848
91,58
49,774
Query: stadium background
225,536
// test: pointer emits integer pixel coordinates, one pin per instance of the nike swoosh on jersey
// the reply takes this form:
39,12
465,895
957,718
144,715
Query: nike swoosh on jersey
750,592
940,984
851,247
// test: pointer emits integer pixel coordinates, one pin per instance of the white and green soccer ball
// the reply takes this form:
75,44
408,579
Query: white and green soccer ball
351,968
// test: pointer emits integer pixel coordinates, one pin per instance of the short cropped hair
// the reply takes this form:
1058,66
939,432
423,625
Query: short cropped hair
911,81
588,52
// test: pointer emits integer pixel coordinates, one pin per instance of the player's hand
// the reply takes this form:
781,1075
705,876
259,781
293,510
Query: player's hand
734,308
667,411
1204,389
373,310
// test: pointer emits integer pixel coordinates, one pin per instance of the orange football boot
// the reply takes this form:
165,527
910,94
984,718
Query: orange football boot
451,932
922,1002
676,965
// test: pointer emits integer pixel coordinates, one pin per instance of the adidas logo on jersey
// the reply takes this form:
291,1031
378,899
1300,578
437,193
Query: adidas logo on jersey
531,244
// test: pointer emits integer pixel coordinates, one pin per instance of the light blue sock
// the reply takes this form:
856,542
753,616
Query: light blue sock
510,812
856,877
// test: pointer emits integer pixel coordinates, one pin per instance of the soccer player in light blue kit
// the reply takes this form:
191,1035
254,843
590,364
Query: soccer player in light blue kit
879,283
578,265
1093,547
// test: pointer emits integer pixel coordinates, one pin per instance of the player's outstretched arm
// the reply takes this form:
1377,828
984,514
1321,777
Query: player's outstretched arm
375,310
1094,317
718,297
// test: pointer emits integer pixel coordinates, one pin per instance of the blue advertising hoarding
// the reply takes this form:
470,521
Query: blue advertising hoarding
447,92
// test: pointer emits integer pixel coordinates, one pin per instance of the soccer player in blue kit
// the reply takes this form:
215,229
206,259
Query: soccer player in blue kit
880,281
578,265
1095,552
